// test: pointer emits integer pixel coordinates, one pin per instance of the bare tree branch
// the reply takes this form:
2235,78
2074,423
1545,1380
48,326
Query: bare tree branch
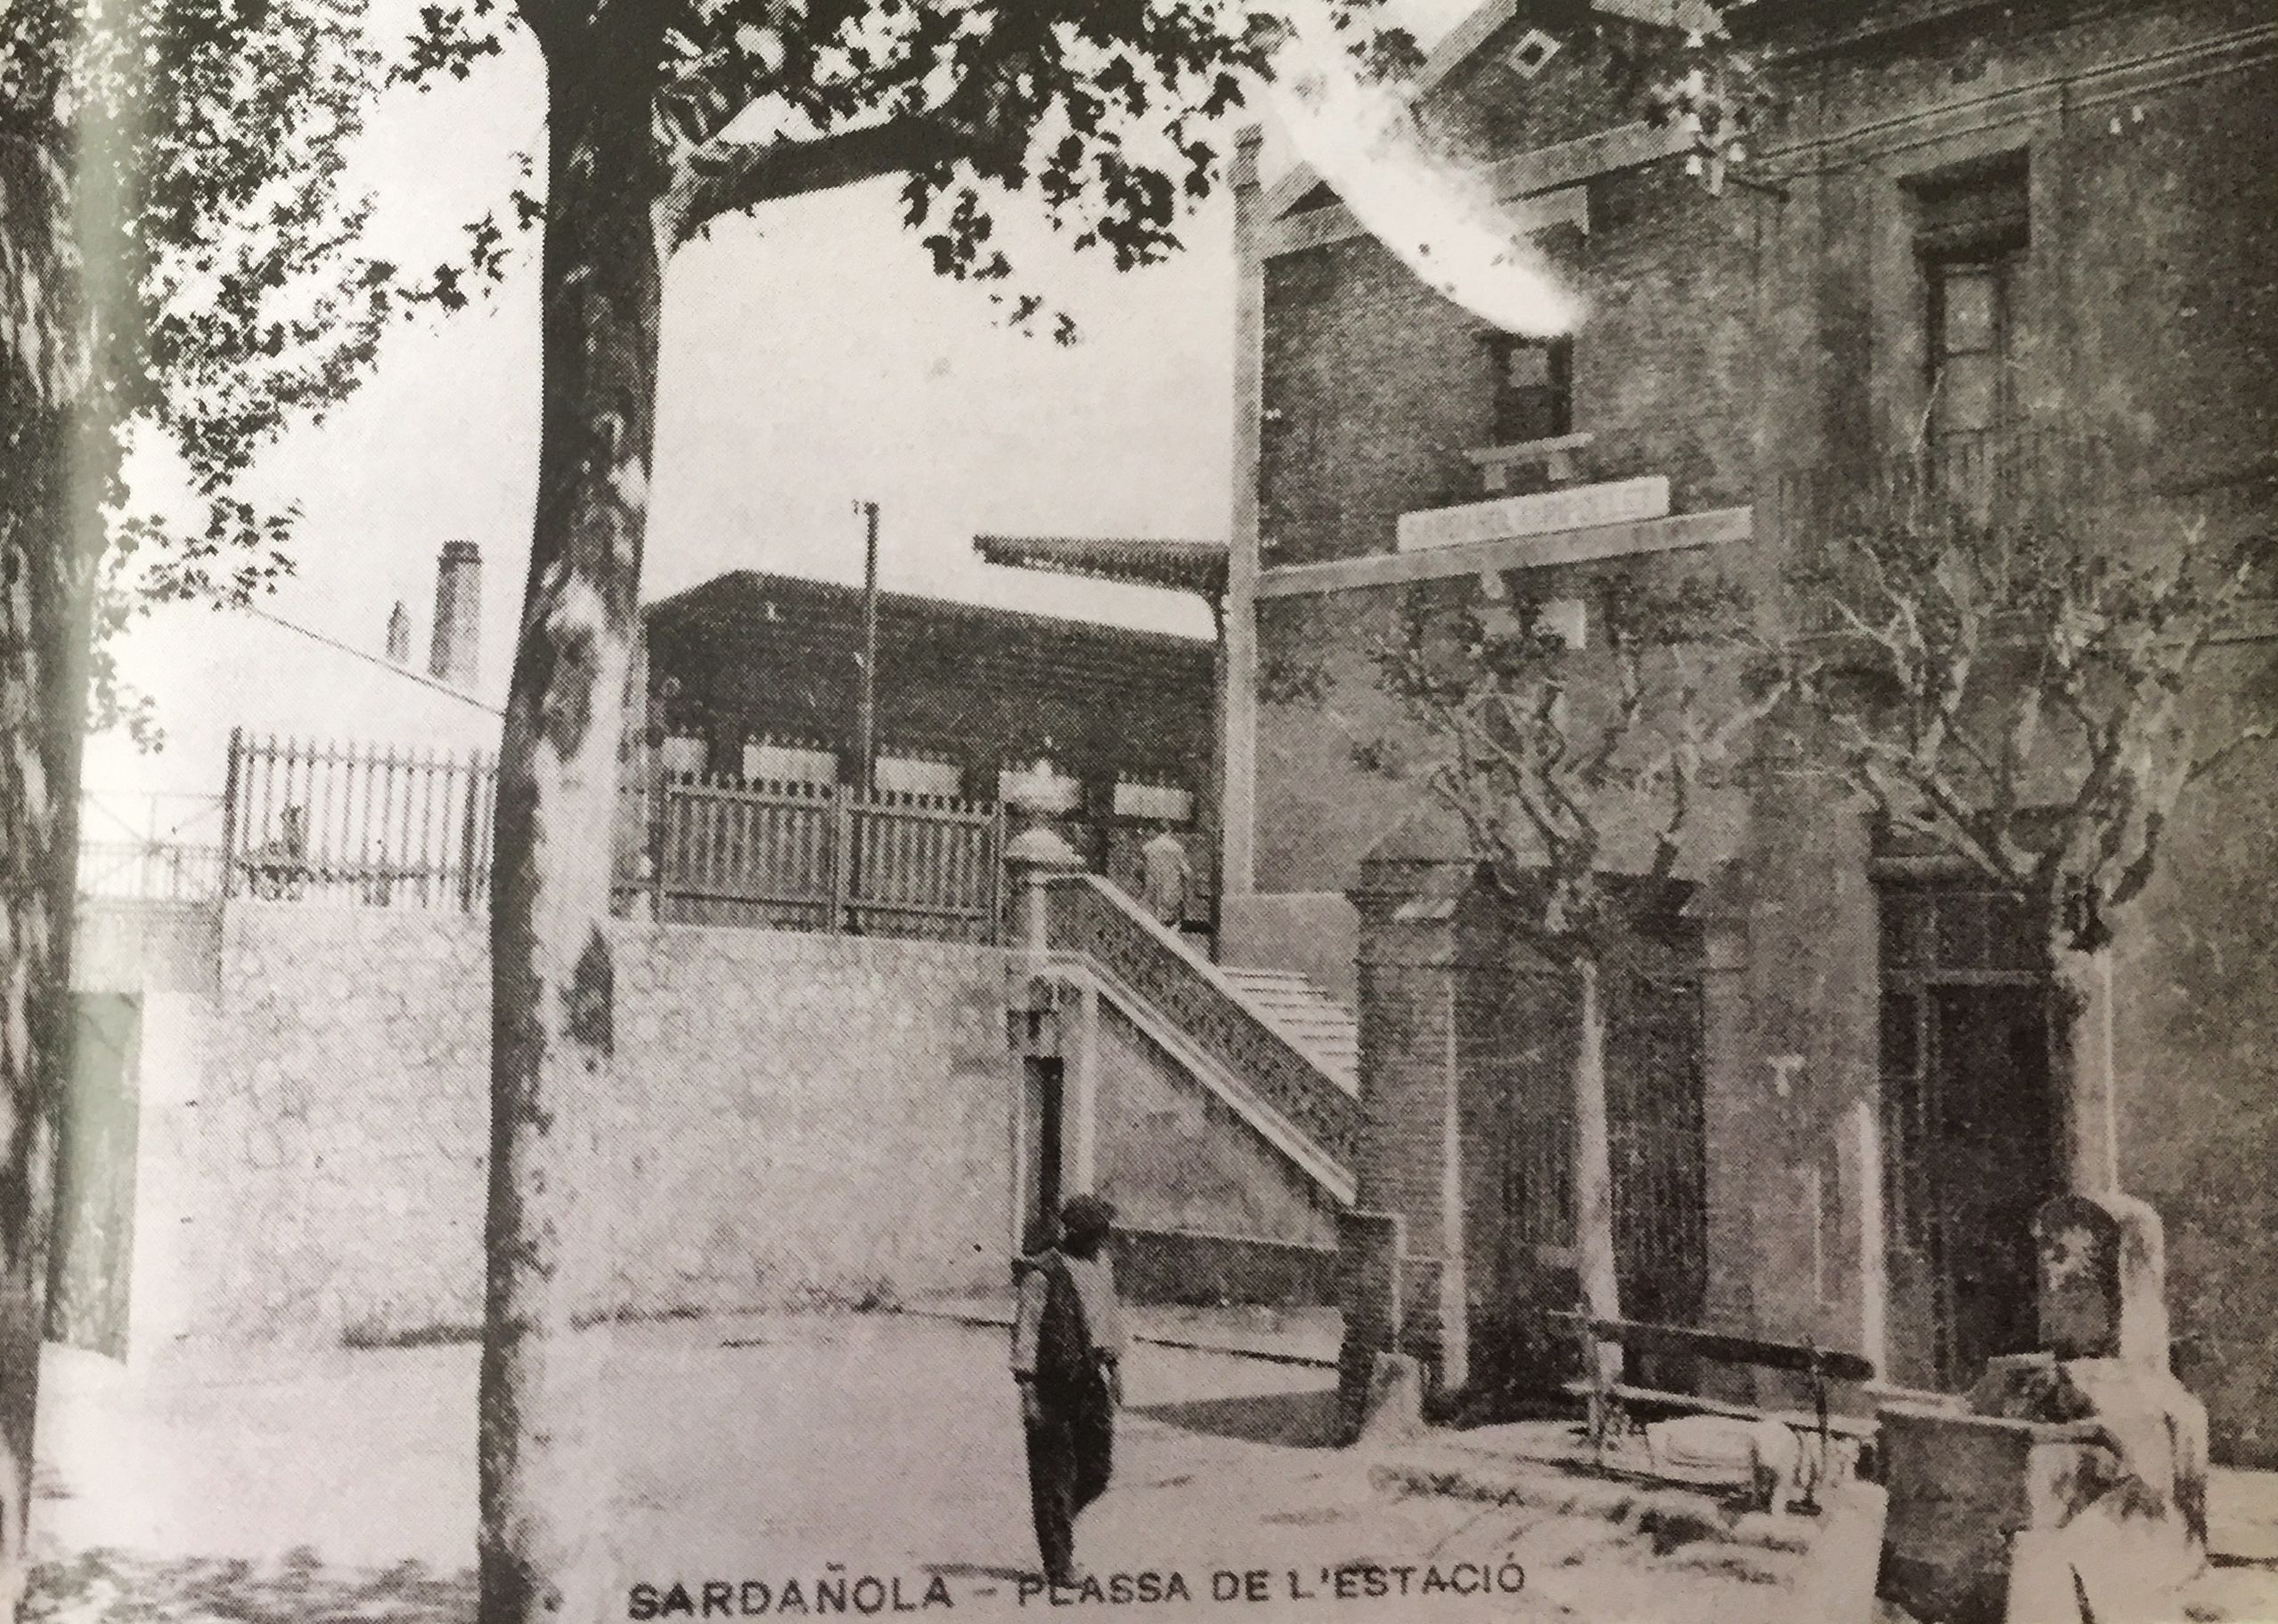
2029,702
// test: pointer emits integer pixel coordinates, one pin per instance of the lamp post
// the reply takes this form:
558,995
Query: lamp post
866,715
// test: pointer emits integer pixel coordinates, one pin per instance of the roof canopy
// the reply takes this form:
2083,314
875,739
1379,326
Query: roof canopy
1180,564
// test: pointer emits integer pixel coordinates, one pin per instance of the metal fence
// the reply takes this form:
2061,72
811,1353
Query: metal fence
149,871
307,820
316,822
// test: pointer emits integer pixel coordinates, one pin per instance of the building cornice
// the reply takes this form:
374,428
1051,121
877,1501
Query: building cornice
2099,85
1715,527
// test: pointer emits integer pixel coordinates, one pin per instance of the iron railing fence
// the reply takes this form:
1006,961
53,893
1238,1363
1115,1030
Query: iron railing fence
149,871
315,821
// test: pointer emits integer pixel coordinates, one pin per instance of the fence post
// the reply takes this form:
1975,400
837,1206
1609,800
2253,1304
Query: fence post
229,811
657,793
842,862
995,858
468,824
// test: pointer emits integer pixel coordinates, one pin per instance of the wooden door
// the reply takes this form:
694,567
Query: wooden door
1970,1128
1042,1175
1656,1119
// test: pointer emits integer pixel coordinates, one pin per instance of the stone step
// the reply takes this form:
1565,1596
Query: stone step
1294,1006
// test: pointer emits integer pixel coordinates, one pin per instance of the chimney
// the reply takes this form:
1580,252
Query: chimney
399,635
458,613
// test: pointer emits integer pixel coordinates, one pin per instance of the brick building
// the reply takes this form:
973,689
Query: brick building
758,677
2061,212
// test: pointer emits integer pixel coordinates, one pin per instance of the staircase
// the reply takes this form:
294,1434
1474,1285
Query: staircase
1316,1024
1278,1050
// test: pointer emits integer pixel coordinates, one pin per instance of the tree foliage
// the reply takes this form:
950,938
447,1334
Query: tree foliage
221,288
177,267
1104,114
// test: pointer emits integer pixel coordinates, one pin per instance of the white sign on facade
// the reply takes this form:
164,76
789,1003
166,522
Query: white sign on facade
1577,508
1160,802
777,763
911,775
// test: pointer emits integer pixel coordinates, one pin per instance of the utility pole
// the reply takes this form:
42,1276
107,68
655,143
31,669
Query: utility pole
867,716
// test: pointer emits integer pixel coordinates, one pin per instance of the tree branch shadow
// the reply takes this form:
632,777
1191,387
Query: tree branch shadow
109,1584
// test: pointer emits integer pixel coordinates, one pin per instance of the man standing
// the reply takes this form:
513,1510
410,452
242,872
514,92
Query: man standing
1168,878
1067,1352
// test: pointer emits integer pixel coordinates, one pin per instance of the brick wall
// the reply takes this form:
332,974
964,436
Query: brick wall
1408,1096
1786,327
985,687
1369,1256
795,1119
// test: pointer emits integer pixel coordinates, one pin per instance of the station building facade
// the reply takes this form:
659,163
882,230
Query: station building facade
1982,229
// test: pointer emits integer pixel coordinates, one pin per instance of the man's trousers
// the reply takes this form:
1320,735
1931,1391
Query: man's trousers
1071,1457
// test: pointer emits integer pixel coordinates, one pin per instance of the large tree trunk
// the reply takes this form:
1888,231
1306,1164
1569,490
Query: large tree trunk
1594,1255
2080,1065
50,533
542,1484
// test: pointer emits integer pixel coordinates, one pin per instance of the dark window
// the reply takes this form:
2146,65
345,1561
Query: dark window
1969,346
1970,233
1534,387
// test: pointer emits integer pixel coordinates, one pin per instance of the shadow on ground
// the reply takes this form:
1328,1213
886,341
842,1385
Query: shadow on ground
298,1589
1296,1420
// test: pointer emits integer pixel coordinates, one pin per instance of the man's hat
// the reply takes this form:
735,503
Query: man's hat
1087,1215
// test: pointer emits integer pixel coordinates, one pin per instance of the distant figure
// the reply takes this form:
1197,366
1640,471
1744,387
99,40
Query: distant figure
1068,1351
1168,878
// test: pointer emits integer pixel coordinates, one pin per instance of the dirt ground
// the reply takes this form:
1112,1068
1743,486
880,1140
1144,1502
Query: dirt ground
821,1451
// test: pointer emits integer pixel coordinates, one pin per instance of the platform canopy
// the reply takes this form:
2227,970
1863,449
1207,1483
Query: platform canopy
1180,564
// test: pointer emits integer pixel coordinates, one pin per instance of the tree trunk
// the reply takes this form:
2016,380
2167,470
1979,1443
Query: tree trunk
542,1485
2081,1066
50,533
1593,1254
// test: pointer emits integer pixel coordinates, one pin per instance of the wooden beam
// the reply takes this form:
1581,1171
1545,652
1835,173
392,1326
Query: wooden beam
1715,527
1567,163
1315,227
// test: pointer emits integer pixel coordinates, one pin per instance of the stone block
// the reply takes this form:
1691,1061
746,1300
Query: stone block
2103,1288
1961,1486
1395,1403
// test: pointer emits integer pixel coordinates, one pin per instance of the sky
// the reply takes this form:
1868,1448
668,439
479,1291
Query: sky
811,360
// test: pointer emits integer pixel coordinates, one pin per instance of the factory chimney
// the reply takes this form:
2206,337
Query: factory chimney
453,654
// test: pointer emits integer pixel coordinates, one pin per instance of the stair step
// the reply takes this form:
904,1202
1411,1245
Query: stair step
1294,1004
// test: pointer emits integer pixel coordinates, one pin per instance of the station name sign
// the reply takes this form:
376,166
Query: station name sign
1506,519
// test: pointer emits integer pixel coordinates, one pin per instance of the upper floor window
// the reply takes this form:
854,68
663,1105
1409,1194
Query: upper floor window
1969,345
1971,236
1534,387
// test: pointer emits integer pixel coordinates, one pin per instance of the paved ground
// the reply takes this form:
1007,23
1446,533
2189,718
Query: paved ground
343,1489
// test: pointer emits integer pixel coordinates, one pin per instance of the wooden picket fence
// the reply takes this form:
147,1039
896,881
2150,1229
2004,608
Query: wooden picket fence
316,822
818,858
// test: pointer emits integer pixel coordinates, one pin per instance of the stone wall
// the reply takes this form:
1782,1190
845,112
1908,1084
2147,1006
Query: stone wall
1173,1157
794,1119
